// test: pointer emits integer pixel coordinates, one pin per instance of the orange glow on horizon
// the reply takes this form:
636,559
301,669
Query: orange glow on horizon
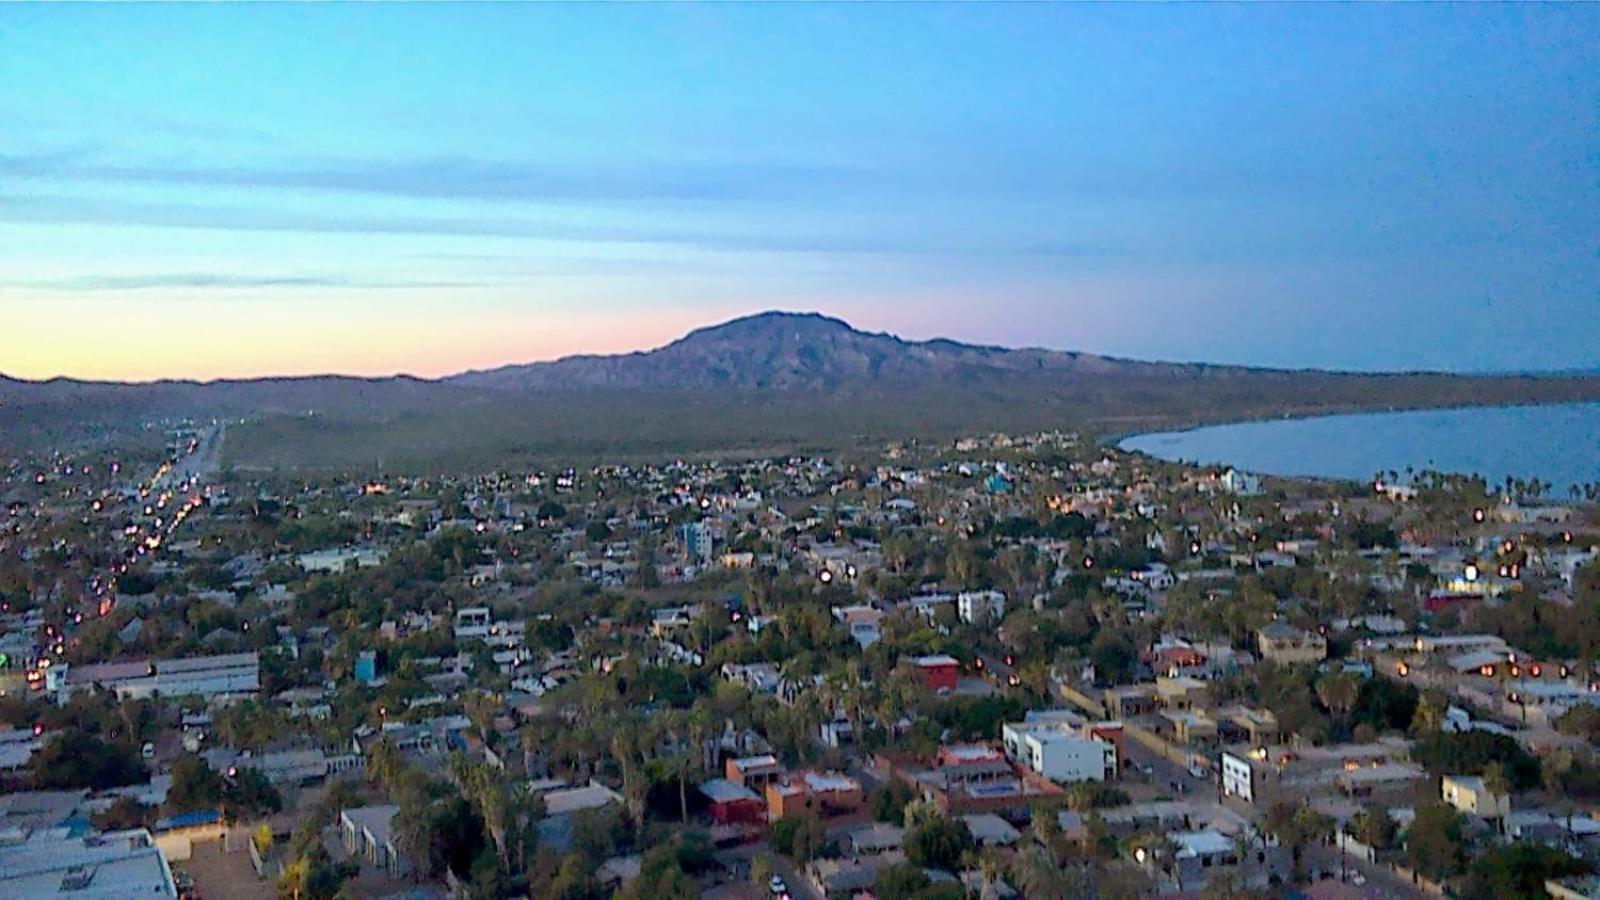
203,342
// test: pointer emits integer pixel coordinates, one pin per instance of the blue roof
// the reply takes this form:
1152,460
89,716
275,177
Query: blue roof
189,819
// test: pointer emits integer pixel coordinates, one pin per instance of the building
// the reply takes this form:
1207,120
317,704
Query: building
752,771
233,674
340,560
1183,693
1060,751
813,793
989,830
1242,483
1580,887
366,668
1238,778
938,673
562,802
1200,855
1287,645
733,804
109,866
864,623
368,834
874,839
981,606
697,542
1469,794
1364,781
472,623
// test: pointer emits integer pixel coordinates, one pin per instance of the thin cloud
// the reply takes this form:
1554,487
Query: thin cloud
49,209
462,178
221,280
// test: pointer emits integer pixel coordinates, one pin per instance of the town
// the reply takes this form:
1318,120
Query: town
1003,666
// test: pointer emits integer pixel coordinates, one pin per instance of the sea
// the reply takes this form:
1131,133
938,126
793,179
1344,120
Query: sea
1557,443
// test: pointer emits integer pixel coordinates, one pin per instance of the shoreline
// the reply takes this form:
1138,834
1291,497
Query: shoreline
1557,492
1115,439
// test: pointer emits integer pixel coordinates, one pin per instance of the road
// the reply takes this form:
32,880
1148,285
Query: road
799,886
1380,880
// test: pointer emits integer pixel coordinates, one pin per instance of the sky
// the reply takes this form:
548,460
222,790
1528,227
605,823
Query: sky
237,190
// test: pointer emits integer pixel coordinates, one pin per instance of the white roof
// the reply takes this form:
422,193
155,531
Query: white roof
110,866
591,796
1201,843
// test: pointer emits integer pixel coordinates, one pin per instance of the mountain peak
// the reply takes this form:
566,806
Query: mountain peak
785,350
770,324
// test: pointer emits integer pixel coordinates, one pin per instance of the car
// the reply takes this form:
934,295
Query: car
778,886
1358,879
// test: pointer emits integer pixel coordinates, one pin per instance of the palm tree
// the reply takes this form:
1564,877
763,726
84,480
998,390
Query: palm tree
1338,693
1038,875
1429,715
1498,785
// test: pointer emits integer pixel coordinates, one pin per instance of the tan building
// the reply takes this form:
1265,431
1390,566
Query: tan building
1469,794
1183,693
1287,645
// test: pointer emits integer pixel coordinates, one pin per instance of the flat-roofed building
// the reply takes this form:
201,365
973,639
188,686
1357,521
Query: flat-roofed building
1287,645
110,866
1060,750
231,674
368,834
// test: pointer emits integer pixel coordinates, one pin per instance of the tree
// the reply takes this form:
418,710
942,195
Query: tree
1517,870
1374,827
1429,713
1296,826
888,802
248,793
195,785
1434,843
1338,693
124,813
1583,720
574,881
1035,872
1446,753
938,842
73,759
798,837
901,881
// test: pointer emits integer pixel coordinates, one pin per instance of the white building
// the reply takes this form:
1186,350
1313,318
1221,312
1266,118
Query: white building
981,606
341,559
1060,751
1242,483
111,866
472,622
232,674
1238,778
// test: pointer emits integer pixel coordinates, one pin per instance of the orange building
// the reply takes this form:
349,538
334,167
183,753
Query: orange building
813,793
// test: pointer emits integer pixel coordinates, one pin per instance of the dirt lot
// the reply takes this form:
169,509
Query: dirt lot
226,876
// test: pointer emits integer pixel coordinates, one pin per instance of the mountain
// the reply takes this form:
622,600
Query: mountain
773,381
796,351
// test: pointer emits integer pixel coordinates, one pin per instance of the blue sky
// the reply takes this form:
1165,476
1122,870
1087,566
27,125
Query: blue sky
380,188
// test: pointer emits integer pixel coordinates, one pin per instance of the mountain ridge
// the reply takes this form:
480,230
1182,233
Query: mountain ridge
767,380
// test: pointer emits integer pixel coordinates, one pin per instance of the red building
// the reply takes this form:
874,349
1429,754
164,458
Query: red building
938,672
733,804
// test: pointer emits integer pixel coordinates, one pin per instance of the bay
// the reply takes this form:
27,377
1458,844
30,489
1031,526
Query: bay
1559,444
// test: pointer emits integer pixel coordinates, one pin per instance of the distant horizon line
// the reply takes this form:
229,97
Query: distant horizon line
400,375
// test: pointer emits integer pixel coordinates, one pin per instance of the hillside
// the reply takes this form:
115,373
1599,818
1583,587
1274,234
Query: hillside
767,382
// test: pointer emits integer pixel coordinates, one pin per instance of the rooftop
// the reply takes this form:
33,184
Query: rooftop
111,866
